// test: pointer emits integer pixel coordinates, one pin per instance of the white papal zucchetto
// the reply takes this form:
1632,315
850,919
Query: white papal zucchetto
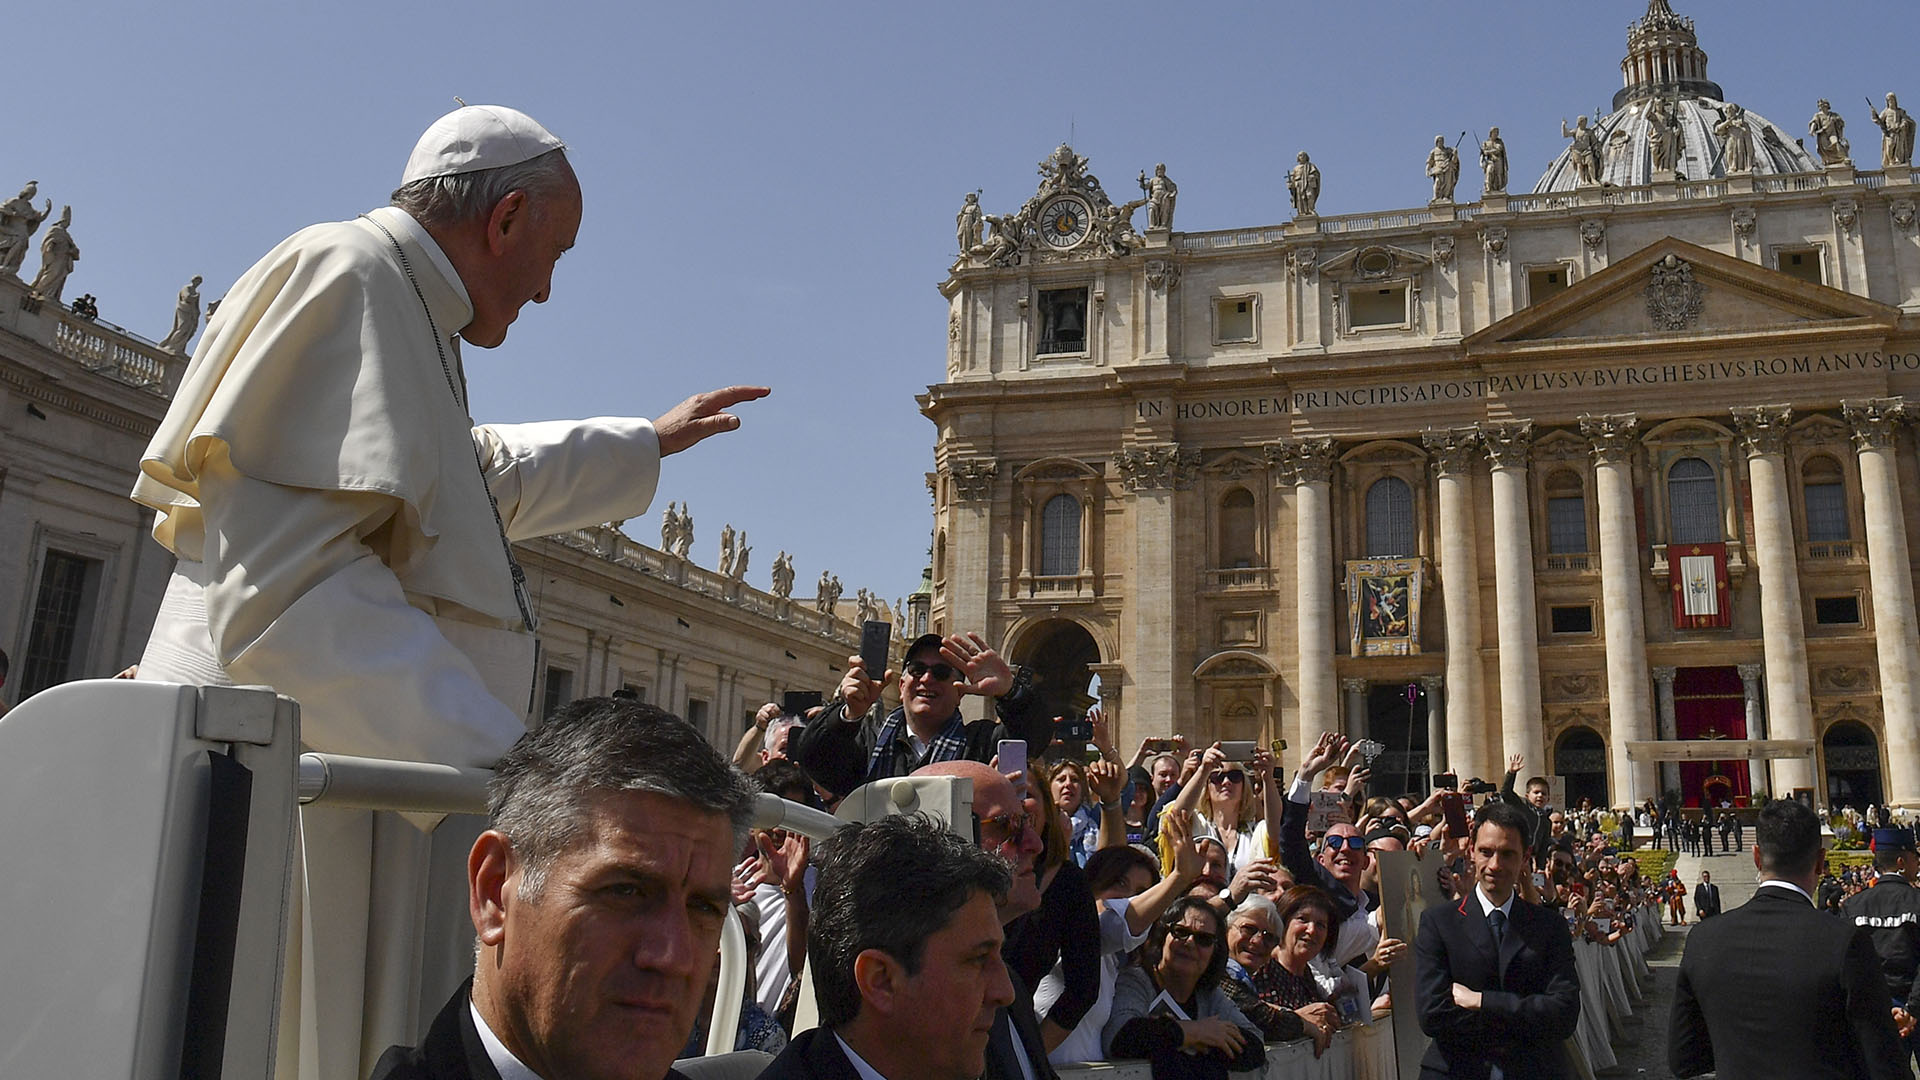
476,137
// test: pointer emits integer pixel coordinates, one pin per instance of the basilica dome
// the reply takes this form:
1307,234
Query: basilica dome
1665,72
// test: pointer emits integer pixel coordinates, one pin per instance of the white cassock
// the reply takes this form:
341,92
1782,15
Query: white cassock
319,478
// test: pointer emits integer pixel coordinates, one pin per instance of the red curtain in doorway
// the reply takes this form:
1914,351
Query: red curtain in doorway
1710,703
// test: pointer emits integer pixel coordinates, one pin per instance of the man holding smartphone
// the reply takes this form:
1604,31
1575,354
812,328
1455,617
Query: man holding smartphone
851,743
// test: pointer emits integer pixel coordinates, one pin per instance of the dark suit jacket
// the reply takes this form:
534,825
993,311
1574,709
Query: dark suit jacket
1530,992
1017,1021
1706,900
812,1055
1777,988
452,1050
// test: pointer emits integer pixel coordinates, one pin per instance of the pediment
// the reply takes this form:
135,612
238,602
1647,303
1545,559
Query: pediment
1673,291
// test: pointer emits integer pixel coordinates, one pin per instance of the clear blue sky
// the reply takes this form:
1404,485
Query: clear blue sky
770,188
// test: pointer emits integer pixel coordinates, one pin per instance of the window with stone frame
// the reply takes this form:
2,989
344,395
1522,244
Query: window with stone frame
1806,263
1390,530
559,691
1566,514
1060,537
1824,492
1239,531
1234,320
56,642
1693,503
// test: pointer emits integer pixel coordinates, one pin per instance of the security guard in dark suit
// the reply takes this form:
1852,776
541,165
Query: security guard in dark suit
1890,913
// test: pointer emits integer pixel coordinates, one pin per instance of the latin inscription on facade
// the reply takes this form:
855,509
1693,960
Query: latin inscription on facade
1480,388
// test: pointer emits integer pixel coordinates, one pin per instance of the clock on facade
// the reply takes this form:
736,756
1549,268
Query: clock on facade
1064,221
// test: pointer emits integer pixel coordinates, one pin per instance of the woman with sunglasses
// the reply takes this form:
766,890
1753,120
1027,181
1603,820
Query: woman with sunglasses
1306,920
1220,793
1183,961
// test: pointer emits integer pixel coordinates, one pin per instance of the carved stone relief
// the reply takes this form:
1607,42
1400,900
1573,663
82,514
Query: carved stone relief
1674,298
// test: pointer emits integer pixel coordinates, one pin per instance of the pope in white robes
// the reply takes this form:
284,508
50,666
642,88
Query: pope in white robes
342,526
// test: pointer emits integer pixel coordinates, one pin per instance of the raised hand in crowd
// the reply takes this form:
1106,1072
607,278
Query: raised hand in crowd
1106,779
1516,763
783,862
1102,739
1258,876
859,690
1330,747
1357,781
985,673
1384,954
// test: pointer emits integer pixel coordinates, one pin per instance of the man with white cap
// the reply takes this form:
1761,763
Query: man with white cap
343,528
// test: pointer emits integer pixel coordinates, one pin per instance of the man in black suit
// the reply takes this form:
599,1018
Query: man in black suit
597,899
1497,989
1824,1010
1706,896
905,952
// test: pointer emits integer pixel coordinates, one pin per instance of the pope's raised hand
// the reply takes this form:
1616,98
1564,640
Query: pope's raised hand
702,415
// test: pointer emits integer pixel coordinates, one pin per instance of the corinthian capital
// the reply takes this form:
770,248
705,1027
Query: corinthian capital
1508,443
1303,461
1875,421
973,478
1452,450
1763,428
1612,435
1161,467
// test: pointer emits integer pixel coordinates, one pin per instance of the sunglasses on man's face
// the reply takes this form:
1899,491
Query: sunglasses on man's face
940,672
1199,938
1351,843
1230,776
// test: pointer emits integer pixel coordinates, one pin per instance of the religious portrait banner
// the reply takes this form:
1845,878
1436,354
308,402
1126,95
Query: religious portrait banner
1383,606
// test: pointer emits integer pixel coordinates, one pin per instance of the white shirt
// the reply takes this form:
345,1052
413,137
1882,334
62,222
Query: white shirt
504,1063
1776,883
1488,907
860,1066
1117,939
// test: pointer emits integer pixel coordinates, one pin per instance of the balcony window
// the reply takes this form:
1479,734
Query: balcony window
1238,533
1060,537
1693,502
1389,518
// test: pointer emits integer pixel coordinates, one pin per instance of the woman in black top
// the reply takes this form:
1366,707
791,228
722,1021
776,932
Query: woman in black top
1183,961
1065,928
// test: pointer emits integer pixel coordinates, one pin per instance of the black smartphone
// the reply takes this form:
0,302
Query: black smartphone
797,702
1446,780
874,638
1069,730
1454,806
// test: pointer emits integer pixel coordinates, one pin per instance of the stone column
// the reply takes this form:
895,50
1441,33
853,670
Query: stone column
970,556
1756,725
1434,685
1150,475
1465,747
1309,462
1783,627
1629,711
1663,689
1890,571
1355,726
1508,447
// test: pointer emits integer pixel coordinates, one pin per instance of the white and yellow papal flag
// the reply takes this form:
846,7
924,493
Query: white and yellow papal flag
1699,593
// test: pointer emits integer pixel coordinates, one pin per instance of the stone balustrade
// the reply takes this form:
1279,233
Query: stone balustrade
95,344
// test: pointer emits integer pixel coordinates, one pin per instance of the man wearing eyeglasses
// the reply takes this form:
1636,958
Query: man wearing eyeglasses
850,743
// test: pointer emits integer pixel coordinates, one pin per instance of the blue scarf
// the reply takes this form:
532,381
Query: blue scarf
949,745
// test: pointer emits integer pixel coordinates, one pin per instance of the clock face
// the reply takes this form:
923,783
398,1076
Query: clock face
1064,222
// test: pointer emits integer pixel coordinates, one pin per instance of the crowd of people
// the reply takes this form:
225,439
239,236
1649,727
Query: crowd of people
1191,907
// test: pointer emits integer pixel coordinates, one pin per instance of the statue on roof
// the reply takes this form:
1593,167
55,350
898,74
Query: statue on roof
58,253
1736,139
967,223
1828,129
1303,185
1008,237
1443,168
783,576
18,220
1664,137
1896,134
1493,163
1062,170
1586,151
726,550
1161,192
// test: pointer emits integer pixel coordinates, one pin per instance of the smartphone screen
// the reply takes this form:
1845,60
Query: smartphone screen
1445,780
1455,807
1013,759
874,638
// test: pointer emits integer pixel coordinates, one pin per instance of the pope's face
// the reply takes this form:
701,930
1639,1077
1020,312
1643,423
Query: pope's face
523,248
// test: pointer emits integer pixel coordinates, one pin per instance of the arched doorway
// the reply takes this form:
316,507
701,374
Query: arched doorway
1060,653
1580,758
1852,758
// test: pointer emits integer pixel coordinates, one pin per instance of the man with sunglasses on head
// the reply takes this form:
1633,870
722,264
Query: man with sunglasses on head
851,743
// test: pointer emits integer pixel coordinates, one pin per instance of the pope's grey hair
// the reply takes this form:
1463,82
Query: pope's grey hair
544,789
440,201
